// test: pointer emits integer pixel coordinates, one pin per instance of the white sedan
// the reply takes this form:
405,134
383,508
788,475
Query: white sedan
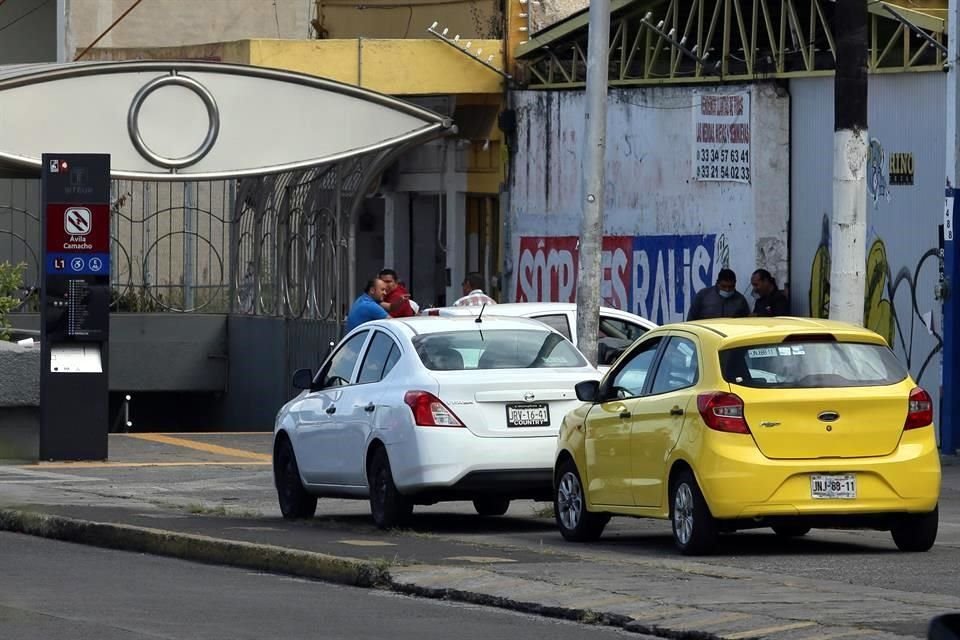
617,330
421,410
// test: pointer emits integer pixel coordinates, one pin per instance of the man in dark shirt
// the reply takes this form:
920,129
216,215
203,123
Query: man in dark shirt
771,301
719,301
397,300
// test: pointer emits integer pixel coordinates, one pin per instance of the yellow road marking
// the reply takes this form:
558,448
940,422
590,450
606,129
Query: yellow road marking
721,619
112,465
844,634
201,446
480,559
659,611
768,630
197,433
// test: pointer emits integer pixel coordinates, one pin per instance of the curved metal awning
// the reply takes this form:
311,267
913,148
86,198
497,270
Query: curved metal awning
181,120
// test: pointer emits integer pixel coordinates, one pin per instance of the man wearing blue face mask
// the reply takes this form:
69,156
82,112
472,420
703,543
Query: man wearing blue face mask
720,301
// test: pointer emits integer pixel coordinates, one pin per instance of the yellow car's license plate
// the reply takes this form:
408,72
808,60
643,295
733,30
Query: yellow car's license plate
839,487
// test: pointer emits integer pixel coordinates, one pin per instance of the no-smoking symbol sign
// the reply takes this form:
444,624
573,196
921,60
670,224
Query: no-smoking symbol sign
77,221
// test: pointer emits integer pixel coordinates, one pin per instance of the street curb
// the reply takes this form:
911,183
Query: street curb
583,616
268,558
305,564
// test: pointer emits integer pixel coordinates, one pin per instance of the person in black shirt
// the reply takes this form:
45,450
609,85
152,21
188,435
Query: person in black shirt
771,301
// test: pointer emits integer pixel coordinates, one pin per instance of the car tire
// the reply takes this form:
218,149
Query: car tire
295,501
694,528
790,530
491,506
570,507
917,532
387,506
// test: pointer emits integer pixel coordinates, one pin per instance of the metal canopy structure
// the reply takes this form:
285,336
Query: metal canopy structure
236,188
197,120
709,41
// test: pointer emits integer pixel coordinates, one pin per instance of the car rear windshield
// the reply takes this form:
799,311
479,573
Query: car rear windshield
496,349
803,365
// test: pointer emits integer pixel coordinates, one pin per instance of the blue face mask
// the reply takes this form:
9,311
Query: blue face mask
725,294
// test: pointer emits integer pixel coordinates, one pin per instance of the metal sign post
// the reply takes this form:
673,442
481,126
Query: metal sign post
949,414
75,306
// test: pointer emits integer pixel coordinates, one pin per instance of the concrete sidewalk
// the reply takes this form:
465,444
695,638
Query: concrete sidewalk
210,498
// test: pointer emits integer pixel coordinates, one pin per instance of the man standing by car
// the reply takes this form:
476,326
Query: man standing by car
473,295
397,301
719,301
771,301
367,307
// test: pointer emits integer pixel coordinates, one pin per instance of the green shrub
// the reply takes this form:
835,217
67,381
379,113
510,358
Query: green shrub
11,282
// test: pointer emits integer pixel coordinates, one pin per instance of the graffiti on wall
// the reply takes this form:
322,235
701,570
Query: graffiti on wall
877,168
653,276
883,311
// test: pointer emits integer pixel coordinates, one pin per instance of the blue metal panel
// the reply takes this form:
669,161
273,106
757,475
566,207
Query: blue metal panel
903,265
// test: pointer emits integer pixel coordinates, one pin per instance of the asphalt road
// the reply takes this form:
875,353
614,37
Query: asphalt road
54,590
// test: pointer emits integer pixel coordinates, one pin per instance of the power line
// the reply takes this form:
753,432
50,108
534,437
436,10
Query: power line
108,29
28,13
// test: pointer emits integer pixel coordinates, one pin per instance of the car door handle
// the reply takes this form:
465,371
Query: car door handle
676,411
370,408
626,414
331,409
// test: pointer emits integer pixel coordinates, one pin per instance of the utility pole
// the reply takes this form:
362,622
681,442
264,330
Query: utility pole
850,144
949,404
594,152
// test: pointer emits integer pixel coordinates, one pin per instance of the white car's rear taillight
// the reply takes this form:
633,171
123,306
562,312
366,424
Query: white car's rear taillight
429,411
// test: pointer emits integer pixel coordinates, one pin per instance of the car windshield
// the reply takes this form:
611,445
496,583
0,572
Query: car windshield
804,365
496,349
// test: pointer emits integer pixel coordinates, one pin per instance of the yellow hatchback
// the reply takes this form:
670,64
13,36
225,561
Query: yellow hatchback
722,425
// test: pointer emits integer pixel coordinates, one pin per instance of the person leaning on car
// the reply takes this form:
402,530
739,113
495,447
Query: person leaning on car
719,301
367,307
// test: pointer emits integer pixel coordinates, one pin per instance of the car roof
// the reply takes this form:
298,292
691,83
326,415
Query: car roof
739,329
517,309
438,324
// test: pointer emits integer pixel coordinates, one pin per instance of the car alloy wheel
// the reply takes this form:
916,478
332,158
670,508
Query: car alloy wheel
570,500
694,527
683,514
575,521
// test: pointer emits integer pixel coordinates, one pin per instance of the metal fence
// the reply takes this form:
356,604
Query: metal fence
274,245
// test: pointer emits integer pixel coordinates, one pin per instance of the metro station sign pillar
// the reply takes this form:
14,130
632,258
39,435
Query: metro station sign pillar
75,306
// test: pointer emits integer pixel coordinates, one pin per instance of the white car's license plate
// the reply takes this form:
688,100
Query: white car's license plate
528,415
841,487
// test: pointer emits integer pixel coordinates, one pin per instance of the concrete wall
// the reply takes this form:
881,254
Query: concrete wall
180,22
548,12
161,352
30,34
191,22
667,234
905,116
19,402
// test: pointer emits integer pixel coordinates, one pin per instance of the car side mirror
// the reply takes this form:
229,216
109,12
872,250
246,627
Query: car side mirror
588,390
945,627
302,379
